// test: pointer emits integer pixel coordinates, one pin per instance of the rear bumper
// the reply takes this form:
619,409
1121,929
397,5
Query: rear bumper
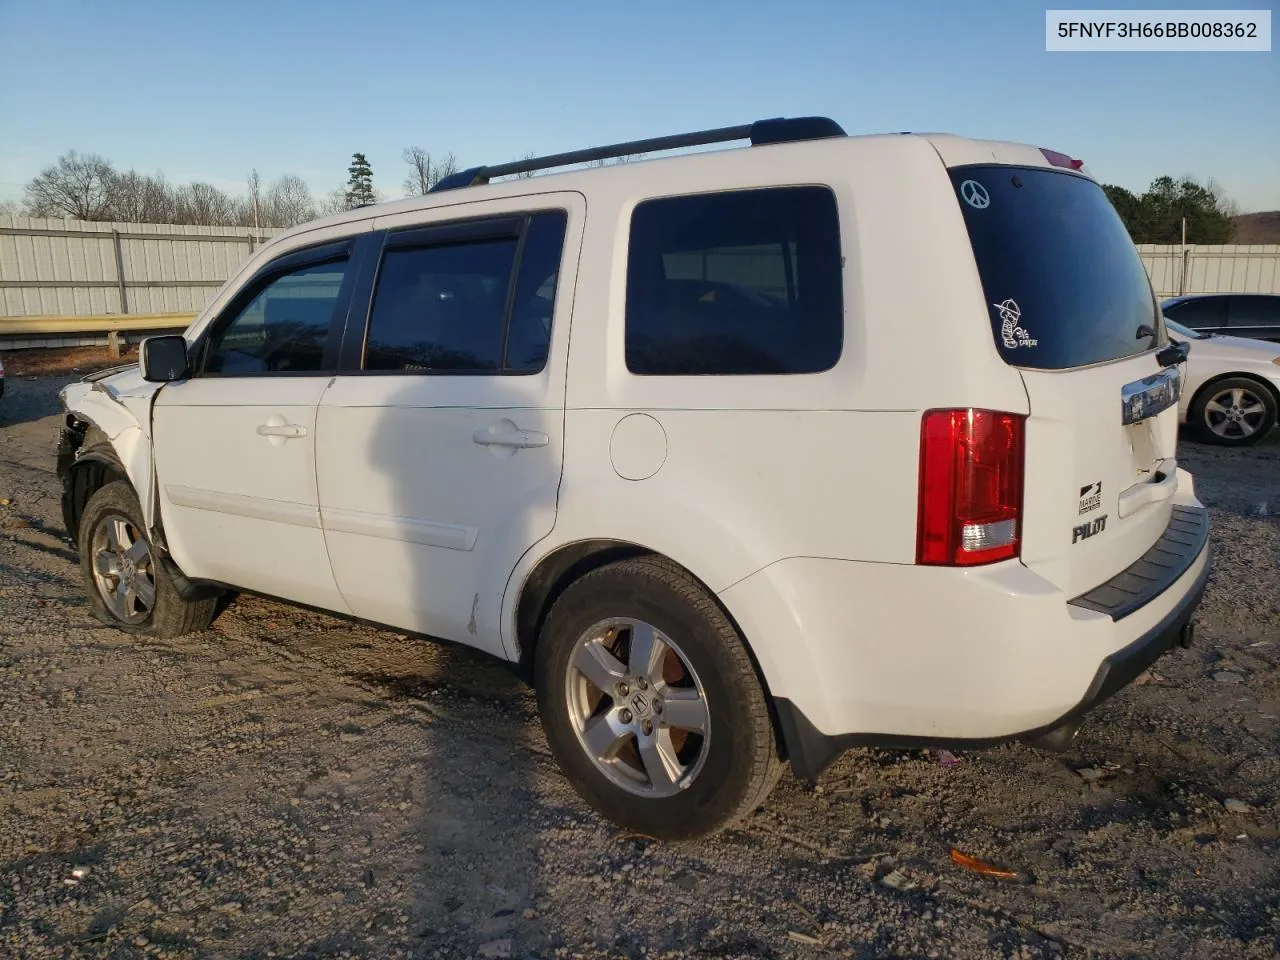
894,656
811,751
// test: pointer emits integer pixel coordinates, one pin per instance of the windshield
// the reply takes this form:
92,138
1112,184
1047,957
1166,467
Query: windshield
1173,326
1064,284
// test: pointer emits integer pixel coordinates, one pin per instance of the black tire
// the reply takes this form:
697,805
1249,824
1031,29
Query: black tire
742,762
1204,420
169,615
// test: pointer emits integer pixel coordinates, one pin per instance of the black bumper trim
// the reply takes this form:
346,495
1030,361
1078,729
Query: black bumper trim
810,751
1156,570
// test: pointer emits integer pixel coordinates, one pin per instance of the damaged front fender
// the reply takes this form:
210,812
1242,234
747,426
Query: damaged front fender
106,436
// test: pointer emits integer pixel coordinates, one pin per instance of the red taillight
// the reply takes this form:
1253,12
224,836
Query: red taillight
970,487
1061,159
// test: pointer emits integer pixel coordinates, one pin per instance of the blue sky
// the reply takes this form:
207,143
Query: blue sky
201,90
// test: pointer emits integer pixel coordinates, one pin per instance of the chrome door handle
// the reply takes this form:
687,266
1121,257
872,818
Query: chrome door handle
518,439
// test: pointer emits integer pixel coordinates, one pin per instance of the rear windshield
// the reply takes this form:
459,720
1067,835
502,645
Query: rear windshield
1064,284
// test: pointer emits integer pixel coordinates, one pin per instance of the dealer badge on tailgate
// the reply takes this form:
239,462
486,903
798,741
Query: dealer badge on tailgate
1090,500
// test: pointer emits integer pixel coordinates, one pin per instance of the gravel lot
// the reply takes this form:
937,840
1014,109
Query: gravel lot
287,784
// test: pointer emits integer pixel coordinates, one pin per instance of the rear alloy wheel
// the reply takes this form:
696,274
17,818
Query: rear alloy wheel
637,706
651,703
1235,412
127,586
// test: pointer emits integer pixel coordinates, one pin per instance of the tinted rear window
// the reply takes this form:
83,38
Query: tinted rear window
1064,284
743,282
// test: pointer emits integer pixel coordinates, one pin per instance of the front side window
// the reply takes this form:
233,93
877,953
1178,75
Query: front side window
451,308
284,328
745,282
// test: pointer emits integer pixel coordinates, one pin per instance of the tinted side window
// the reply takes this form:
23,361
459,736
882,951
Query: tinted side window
284,328
745,282
440,308
1199,314
529,335
1254,311
445,308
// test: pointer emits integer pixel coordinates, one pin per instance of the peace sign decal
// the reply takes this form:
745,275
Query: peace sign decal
975,194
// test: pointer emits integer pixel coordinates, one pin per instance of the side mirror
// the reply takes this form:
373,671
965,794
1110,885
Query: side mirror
1174,354
163,359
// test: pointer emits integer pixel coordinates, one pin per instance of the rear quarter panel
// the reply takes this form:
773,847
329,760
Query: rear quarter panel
759,468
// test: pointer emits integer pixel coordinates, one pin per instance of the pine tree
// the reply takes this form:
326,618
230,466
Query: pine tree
360,183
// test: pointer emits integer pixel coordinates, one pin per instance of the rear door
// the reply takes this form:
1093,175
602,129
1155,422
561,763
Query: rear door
1255,316
1072,308
440,444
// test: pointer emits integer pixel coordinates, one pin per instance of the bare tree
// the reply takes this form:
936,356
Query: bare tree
87,187
418,181
425,171
254,182
203,204
625,158
446,167
138,198
335,201
77,186
527,173
10,208
289,202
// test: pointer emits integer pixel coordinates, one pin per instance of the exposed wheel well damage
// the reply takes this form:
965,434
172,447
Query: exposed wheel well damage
86,463
555,572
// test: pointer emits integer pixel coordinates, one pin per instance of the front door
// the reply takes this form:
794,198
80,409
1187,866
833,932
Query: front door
439,457
235,444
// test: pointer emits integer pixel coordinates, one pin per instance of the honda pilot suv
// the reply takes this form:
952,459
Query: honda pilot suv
744,457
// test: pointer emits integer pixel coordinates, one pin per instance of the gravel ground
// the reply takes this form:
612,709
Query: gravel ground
287,784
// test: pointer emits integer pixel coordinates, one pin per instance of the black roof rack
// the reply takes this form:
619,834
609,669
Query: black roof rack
775,130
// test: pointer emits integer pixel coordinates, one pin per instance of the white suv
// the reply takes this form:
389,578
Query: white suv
745,456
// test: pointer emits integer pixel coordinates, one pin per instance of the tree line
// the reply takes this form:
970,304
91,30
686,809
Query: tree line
88,187
1157,215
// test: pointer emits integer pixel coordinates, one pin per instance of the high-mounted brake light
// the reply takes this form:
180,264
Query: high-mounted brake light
1062,160
971,464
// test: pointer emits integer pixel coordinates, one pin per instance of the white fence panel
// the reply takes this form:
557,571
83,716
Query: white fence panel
73,268
1230,268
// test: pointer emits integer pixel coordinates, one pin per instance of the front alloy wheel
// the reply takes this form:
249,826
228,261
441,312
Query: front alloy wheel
1234,412
127,585
123,569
